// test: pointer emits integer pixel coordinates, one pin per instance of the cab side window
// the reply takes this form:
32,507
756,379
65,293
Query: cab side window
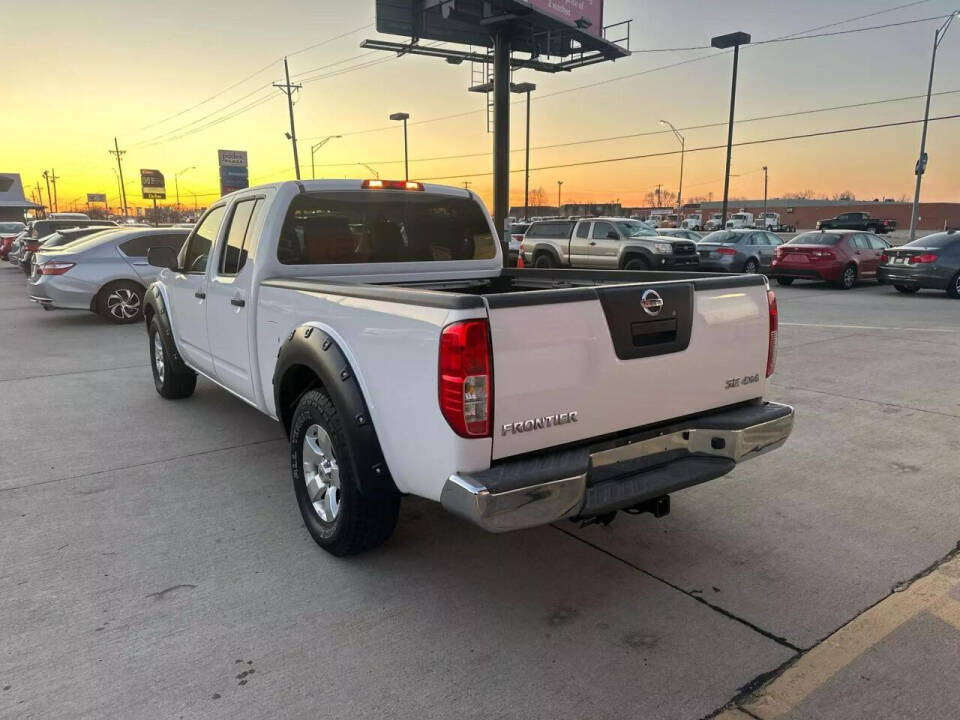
601,230
197,249
240,237
583,230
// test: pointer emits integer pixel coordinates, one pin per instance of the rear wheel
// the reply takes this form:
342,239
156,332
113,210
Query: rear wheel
785,281
637,263
339,518
751,267
953,289
544,260
848,279
121,302
906,290
172,379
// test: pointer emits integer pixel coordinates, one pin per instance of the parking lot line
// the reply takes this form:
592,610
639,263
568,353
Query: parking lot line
872,327
815,668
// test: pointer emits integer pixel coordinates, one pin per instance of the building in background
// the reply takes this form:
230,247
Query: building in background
13,203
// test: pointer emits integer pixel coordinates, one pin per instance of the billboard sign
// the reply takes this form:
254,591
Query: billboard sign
577,12
232,158
234,174
153,185
96,197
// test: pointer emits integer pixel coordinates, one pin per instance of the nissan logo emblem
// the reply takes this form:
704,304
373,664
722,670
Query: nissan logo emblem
651,302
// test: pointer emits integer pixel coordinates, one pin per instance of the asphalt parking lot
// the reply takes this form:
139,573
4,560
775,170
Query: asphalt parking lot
153,562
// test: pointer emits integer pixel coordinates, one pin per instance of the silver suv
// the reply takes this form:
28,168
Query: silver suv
106,273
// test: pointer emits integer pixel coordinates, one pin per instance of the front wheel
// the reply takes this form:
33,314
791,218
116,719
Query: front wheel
172,379
906,290
637,263
785,281
339,518
121,302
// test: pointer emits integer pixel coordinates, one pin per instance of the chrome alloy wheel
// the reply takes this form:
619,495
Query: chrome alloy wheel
849,277
321,473
158,356
123,303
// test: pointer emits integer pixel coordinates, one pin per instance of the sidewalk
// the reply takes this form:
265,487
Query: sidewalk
897,660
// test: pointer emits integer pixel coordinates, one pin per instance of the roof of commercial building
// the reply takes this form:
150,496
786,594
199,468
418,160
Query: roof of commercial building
11,192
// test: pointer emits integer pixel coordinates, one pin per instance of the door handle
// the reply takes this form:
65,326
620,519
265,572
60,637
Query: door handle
238,302
200,295
591,243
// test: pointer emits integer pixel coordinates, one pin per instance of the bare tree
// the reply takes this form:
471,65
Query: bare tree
538,197
846,196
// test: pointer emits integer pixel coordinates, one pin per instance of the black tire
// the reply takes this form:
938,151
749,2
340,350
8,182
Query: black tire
849,278
544,260
637,263
953,289
121,302
907,290
785,281
359,523
751,266
171,377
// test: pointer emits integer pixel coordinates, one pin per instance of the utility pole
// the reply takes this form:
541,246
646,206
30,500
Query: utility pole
922,161
763,222
683,145
176,183
288,90
466,184
658,194
53,178
46,176
559,204
123,189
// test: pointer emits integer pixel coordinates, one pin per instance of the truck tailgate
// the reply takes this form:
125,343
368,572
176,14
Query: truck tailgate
582,363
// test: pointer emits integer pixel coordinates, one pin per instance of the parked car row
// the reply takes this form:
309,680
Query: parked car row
840,257
98,268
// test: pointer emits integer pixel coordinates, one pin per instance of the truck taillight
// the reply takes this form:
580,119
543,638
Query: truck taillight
466,378
925,258
774,326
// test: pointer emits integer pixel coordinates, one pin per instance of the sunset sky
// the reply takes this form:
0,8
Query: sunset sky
76,74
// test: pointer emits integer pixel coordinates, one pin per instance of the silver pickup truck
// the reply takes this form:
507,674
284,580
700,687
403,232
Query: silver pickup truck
604,243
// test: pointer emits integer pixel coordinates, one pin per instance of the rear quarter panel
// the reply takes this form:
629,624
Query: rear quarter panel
393,349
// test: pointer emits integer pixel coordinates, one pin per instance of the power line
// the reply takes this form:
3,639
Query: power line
667,153
631,136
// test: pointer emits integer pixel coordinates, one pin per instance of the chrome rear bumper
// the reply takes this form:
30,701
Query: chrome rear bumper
610,476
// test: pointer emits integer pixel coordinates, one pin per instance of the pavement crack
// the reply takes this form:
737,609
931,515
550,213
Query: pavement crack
866,400
716,608
138,465
73,372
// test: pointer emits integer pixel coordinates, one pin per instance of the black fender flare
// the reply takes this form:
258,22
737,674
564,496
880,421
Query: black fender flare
549,250
155,307
635,252
310,348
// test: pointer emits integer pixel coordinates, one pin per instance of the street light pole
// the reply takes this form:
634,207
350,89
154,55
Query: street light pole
921,166
406,161
682,148
763,221
176,182
559,205
734,40
526,88
313,150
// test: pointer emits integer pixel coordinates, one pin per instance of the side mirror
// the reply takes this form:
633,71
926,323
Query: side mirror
163,256
613,235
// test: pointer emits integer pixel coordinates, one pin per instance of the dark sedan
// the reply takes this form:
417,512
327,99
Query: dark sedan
741,250
931,262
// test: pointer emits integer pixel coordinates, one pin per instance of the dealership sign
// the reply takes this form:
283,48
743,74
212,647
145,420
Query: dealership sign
578,12
152,183
234,174
96,197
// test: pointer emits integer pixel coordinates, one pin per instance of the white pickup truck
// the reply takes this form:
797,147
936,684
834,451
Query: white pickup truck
375,321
